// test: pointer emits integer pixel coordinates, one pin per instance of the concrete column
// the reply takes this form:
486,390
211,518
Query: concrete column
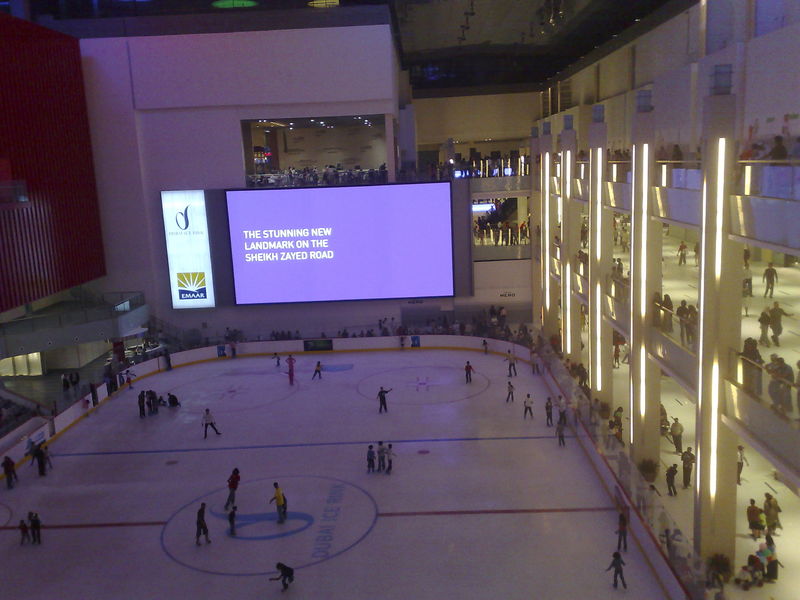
391,147
600,254
549,212
571,241
646,250
719,331
535,208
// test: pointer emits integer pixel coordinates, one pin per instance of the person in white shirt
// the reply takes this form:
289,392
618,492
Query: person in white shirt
209,421
389,457
741,460
510,395
528,407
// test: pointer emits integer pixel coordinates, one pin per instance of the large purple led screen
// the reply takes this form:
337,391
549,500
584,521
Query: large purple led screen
341,243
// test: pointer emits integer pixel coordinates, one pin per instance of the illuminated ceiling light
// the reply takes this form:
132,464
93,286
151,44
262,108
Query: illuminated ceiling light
323,3
234,3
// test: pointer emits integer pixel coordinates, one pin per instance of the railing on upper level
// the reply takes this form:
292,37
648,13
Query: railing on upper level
114,304
679,174
765,205
759,399
768,178
772,384
619,171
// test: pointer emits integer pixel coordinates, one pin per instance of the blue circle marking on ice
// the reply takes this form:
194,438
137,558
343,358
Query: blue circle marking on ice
243,521
331,517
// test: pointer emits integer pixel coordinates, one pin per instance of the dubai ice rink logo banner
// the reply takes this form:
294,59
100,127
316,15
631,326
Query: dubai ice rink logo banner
188,253
192,286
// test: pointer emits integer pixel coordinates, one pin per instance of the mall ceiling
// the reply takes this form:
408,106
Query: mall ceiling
448,46
465,43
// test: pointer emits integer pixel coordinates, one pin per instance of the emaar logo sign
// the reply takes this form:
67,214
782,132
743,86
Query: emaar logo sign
188,251
182,219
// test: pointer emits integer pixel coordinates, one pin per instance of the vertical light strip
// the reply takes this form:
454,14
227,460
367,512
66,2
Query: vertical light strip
645,222
719,208
598,352
701,327
546,241
568,175
568,308
712,466
599,204
598,218
748,174
643,245
663,175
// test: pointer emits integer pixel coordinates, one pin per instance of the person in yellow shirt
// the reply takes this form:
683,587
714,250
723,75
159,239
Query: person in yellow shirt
280,502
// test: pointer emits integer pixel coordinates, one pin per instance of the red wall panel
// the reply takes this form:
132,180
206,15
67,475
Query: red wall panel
53,241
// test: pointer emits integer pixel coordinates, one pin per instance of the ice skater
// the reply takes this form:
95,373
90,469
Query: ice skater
286,575
485,347
23,531
562,411
560,435
10,471
36,528
202,528
277,359
280,502
317,371
389,459
290,361
232,520
468,369
233,485
381,457
617,563
129,379
510,394
548,410
209,421
622,533
141,405
382,399
528,407
512,363
370,459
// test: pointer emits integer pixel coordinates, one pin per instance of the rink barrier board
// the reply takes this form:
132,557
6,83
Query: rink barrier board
642,534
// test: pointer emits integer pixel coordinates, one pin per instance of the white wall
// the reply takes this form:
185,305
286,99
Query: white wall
772,65
473,118
505,282
165,114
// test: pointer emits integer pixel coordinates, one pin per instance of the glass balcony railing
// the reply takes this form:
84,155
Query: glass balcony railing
770,382
679,174
113,304
768,179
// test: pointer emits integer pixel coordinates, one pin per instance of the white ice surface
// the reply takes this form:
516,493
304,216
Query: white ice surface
459,448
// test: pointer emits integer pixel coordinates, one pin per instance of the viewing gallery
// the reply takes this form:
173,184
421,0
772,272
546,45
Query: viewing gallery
400,298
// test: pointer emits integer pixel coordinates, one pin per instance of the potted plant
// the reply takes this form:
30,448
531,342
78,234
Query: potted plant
719,565
649,469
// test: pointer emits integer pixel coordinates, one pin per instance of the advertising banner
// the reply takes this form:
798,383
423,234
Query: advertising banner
191,281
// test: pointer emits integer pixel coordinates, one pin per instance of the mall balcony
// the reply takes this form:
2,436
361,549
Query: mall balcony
70,332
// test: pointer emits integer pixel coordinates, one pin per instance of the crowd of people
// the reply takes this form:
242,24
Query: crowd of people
313,176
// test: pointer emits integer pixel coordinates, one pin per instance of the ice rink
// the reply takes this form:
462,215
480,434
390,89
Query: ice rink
480,504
